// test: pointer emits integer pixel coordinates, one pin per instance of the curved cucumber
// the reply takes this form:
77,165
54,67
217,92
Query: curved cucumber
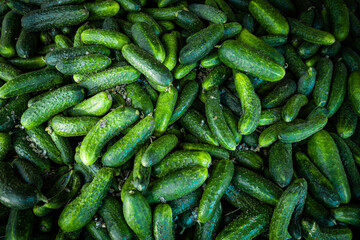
95,106
292,107
338,88
324,69
163,223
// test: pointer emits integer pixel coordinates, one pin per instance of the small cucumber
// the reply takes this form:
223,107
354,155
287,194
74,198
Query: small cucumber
8,71
281,163
163,223
270,116
354,88
279,94
307,50
339,15
248,159
83,64
102,9
274,40
332,50
96,106
208,13
217,76
135,17
188,21
5,144
209,229
211,60
351,59
63,145
346,120
165,106
97,233
324,69
270,134
19,224
348,214
10,30
185,203
130,5
29,64
214,151
170,42
318,212
26,45
72,126
338,88
139,98
293,106
141,174
182,70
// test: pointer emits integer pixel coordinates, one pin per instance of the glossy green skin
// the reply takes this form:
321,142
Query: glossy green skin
205,231
217,76
269,17
168,13
231,29
281,163
247,225
63,145
158,150
5,144
145,37
248,159
10,29
265,68
270,116
179,160
310,34
170,43
296,132
165,106
8,72
285,207
176,185
351,59
72,126
353,90
186,202
101,10
31,82
28,172
274,40
250,102
311,230
348,214
182,70
143,17
186,98
201,45
346,120
32,63
141,174
63,41
83,64
339,15
232,122
256,186
319,185
292,107
95,232
332,50
279,94
19,224
296,65
258,44
324,69
42,139
156,73
214,151
318,212
307,50
338,88
55,102
81,210
77,36
26,45
215,188
130,5
163,223
14,192
104,130
96,106
139,98
348,161
354,149
341,233
240,199
138,215
270,134
216,120
208,13
188,21
45,19
211,60
127,146
324,153
231,101
111,212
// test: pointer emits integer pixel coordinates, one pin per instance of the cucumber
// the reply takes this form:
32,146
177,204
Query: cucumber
130,5
338,88
348,214
279,94
96,106
250,102
318,212
307,50
344,233
158,150
265,68
319,185
186,202
270,116
139,98
231,101
285,207
80,211
269,17
217,76
211,60
28,172
26,45
138,215
182,70
248,159
163,223
208,13
346,120
201,45
19,224
332,50
258,44
351,59
215,188
111,212
107,38
256,186
293,106
179,160
324,153
270,134
324,69
72,126
187,219
155,72
141,174
311,230
63,145
353,88
143,17
105,129
127,146
281,163
168,13
274,40
63,41
232,122
231,29
96,232
10,30
354,149
32,63
208,230
61,16
170,43
339,15
83,64
176,185
295,64
188,21
8,72
5,144
165,106
102,9
310,34
214,151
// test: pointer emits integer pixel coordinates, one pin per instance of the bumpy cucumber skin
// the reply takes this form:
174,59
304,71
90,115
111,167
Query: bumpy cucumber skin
5,144
338,88
279,94
8,71
19,224
101,10
176,185
323,151
208,13
104,130
143,17
217,76
10,29
339,15
348,214
208,230
139,98
324,69
214,151
347,120
189,21
141,174
96,232
163,223
293,106
26,46
96,106
215,188
265,68
248,159
164,109
354,89
281,163
81,210
318,212
270,116
186,202
72,126
232,122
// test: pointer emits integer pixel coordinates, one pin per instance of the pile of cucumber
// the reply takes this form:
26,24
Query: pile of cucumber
175,119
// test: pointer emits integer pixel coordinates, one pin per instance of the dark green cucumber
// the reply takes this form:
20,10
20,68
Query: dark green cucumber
141,174
270,134
83,64
248,159
346,120
19,224
274,40
332,50
265,68
208,13
279,94
139,98
217,76
30,64
163,223
63,41
8,71
281,163
324,153
351,59
176,185
324,69
182,70
214,151
10,30
318,212
188,21
186,202
338,233
63,145
319,185
215,188
270,116
307,50
72,126
26,45
45,19
81,210
97,233
354,88
338,88
293,106
339,14
348,214
28,172
143,17
209,229
102,9
5,144
211,60
232,122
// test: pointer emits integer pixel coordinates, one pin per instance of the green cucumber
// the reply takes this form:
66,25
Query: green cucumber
348,214
182,70
10,30
104,130
232,122
265,67
168,13
179,160
332,50
96,106
8,71
80,211
102,9
141,174
214,151
135,17
53,103
107,38
186,202
324,153
215,188
295,64
208,13
170,42
63,41
351,59
354,88
248,159
165,106
28,172
279,94
217,76
19,224
126,147
63,145
270,134
230,100
26,45
188,21
163,223
176,185
307,50
270,116
318,212
346,120
72,126
281,163
339,15
130,5
274,40
31,64
5,144
338,88
97,233
250,102
211,60
324,69
292,107
341,233
61,16
83,64
209,229
139,98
